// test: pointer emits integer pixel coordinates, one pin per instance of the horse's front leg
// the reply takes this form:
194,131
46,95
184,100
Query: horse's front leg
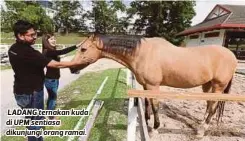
155,106
147,108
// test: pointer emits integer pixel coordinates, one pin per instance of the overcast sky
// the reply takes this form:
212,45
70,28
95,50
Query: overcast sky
202,8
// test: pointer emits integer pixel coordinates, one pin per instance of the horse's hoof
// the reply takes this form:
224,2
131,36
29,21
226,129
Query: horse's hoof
156,125
203,122
152,133
201,131
149,129
155,132
146,122
199,136
147,117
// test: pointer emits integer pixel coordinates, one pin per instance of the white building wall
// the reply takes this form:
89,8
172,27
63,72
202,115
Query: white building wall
192,42
205,41
50,12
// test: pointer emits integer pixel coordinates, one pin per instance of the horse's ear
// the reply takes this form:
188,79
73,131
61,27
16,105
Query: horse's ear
95,37
92,36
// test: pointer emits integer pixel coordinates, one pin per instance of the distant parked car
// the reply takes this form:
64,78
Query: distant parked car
4,57
4,53
240,54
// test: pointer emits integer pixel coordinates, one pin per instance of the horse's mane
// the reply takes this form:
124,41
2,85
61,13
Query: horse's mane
123,44
118,35
120,41
126,43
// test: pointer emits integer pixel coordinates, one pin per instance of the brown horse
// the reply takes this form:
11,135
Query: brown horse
156,62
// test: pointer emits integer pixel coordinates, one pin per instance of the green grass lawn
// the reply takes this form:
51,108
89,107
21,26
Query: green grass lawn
71,38
5,67
111,123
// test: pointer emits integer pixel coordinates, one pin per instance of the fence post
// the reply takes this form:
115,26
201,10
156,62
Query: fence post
132,111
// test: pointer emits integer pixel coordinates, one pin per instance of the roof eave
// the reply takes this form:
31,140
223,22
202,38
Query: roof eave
218,26
184,33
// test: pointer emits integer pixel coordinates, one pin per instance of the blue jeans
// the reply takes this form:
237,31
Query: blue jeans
32,101
52,88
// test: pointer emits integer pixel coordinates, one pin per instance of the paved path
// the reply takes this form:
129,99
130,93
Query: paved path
241,68
7,97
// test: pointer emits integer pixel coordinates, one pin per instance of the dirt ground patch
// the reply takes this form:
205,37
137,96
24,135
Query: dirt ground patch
179,118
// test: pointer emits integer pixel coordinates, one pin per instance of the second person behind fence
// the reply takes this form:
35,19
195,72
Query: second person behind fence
53,74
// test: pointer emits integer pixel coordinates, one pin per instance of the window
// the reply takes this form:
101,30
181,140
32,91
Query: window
194,36
212,34
237,46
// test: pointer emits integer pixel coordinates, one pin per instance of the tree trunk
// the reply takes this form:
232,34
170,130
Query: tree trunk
67,31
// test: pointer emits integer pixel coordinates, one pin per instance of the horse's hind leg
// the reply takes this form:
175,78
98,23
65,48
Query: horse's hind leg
155,106
206,88
212,107
147,110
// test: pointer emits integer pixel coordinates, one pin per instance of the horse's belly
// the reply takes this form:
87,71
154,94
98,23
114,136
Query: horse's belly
186,81
183,84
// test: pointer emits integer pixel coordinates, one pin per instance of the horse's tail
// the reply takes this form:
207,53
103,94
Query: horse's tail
221,104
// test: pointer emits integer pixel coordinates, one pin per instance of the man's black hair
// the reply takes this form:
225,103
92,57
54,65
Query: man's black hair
21,27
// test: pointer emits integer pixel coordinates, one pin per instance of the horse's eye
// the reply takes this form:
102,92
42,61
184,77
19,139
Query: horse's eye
83,49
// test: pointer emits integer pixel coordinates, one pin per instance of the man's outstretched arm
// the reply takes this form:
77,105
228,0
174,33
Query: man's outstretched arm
63,64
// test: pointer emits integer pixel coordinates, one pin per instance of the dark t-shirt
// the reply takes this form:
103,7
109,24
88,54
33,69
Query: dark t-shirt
28,65
54,73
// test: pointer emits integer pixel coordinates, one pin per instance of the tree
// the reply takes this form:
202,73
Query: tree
104,16
30,11
69,15
162,18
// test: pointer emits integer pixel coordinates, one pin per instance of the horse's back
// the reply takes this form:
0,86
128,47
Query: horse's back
184,67
216,53
226,62
222,62
189,67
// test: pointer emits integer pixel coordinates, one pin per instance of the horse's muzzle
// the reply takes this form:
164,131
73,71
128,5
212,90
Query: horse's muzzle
74,71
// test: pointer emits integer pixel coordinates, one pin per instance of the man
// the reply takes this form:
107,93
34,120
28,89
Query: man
28,65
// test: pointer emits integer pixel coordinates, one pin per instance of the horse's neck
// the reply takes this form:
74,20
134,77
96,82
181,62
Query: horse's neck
120,58
121,50
116,58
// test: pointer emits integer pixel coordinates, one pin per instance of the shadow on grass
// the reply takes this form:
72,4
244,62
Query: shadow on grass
76,103
111,104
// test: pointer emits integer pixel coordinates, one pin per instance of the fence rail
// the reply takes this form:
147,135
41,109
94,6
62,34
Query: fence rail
189,96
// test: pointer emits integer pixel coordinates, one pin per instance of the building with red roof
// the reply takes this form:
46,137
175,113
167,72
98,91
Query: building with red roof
224,25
